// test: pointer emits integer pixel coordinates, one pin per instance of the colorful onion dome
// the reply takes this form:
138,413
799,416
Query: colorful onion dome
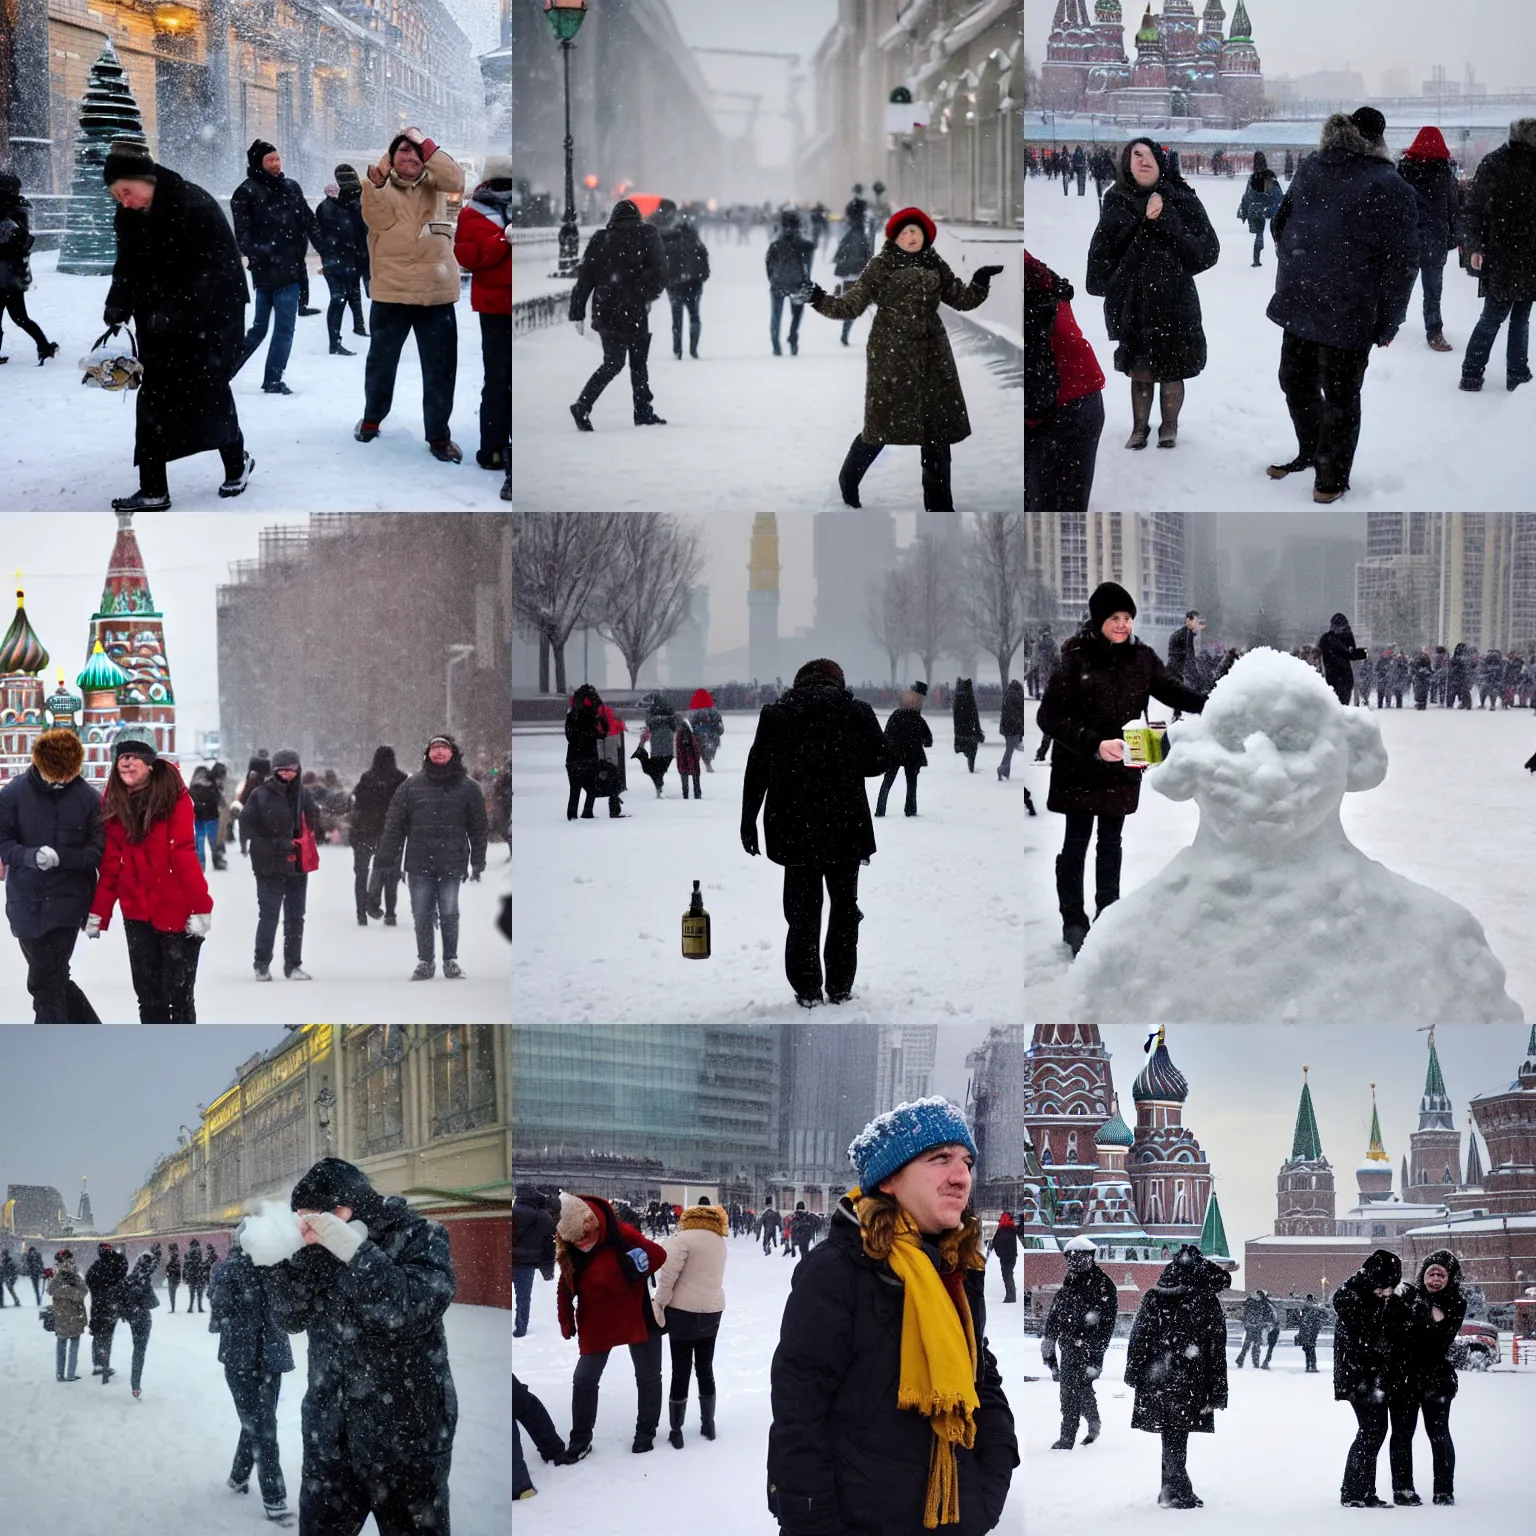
1160,1079
21,650
101,673
1114,1132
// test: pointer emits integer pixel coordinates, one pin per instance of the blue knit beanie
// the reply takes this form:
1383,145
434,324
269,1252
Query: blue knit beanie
890,1141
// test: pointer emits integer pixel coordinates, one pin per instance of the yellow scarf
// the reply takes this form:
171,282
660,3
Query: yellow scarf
938,1363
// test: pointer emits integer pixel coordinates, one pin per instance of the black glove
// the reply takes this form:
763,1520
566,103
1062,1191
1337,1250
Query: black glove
811,293
749,837
114,316
984,275
475,873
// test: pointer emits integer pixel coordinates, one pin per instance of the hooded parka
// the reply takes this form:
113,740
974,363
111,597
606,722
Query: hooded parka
1361,1365
1177,1355
372,793
624,271
50,806
1420,1348
907,733
1499,218
250,1339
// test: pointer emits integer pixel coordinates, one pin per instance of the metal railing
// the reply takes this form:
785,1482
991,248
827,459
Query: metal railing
546,309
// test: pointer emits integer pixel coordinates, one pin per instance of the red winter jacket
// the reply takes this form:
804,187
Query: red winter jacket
597,1305
480,244
1075,361
157,881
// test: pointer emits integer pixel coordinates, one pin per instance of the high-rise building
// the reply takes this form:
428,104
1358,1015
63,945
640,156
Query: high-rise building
763,599
830,1084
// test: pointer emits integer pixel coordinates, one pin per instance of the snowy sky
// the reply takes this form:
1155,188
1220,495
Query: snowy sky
479,20
1298,37
107,1104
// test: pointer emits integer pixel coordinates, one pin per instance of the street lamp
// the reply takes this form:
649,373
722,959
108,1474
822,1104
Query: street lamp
565,18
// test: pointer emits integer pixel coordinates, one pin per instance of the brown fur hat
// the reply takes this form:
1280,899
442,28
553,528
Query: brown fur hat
707,1218
58,756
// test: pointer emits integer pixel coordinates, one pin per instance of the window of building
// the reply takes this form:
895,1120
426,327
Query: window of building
376,1091
463,1078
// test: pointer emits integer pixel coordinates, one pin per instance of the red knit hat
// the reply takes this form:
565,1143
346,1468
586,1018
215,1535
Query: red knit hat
911,216
1429,145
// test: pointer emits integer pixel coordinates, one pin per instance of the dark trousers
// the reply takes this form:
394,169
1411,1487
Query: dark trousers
164,967
911,770
802,911
968,751
776,303
345,292
1432,274
37,1289
496,390
1176,1482
435,900
522,1291
139,1327
616,350
1074,856
689,1355
646,1359
10,1285
152,474
255,1394
13,302
686,296
1272,1339
1322,391
692,778
1360,1465
1006,1266
1253,1338
1309,1351
382,886
280,307
1257,226
405,1497
1404,1412
280,896
362,858
437,345
101,1346
1060,454
170,1286
1517,355
1077,1396
55,998
194,1295
530,1414
937,494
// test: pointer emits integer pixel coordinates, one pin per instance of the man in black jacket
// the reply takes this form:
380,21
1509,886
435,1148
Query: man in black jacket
370,1288
624,270
1499,223
273,228
51,842
1338,650
788,264
1307,1329
1361,1369
341,238
1078,1329
1005,1244
813,749
906,736
370,805
687,272
102,1280
32,1268
533,1248
273,818
437,817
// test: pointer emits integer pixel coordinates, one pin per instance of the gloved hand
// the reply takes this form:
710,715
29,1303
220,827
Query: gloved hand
749,837
93,927
114,316
983,276
1048,1352
198,925
47,858
810,293
343,1238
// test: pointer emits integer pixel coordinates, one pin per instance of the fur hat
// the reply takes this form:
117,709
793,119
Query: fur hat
128,160
821,673
1109,597
497,168
890,1141
58,756
333,1181
285,757
576,1215
1523,131
1382,1268
905,216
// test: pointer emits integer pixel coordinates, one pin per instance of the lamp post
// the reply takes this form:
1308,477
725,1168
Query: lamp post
566,17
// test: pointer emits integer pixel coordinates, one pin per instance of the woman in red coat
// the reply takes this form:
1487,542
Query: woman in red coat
150,869
481,246
603,1299
1063,397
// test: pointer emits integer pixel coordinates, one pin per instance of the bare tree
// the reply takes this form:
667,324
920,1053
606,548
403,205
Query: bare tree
994,586
557,565
1042,602
933,568
653,565
890,615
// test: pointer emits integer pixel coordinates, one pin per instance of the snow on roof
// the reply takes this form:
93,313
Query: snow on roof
1479,1224
1272,1241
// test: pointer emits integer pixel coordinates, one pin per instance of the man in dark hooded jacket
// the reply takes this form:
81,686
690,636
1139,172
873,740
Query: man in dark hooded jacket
814,747
438,818
273,818
1308,1327
533,1248
273,228
136,1298
32,1268
1499,226
370,805
103,1280
1078,1329
624,271
370,1288
1338,650
1423,1321
1361,1369
687,272
1258,1318
341,237
788,264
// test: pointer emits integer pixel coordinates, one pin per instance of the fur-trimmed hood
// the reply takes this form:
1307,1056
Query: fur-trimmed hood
708,1218
1342,136
58,756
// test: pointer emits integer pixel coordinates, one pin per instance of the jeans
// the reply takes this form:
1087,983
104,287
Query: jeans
66,1367
1432,273
911,770
686,296
55,998
646,1359
1061,452
435,896
206,834
522,1290
280,895
437,346
1011,744
802,944
164,967
281,307
776,314
345,292
255,1395
616,349
1404,1411
1322,391
496,391
1360,1464
139,1328
1517,356
1074,856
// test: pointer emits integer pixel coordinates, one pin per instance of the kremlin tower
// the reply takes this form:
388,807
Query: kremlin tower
1304,1187
1373,1178
1168,1169
1434,1150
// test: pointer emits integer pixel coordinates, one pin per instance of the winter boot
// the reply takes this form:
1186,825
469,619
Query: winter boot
1405,1497
366,431
1295,467
1472,382
1173,403
1063,1444
676,1410
263,973
425,970
582,415
1438,342
235,484
649,418
1069,898
1514,380
1141,413
1093,1432
446,451
855,464
296,973
142,501
707,1417
1029,804
277,387
45,350
337,350
452,970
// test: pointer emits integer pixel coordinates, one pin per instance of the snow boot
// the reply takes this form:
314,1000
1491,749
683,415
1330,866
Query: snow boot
855,464
278,388
582,415
1093,1432
675,1411
1444,1498
366,431
1405,1497
425,970
707,1415
304,309
1472,382
263,973
1326,498
834,998
446,451
808,1000
452,970
142,501
296,973
1029,804
506,486
45,350
1515,380
1063,1444
645,1440
1295,467
649,418
235,484
1438,342
337,350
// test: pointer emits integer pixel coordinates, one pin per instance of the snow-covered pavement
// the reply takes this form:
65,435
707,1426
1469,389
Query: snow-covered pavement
598,904
1424,445
83,1455
745,429
68,449
361,975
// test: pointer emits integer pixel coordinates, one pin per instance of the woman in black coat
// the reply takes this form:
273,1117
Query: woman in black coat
906,738
584,723
178,278
1153,237
1423,1324
15,270
1011,725
1362,1369
1338,650
1104,681
1177,1362
966,721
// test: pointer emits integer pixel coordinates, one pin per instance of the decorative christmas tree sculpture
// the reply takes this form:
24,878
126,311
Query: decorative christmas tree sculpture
108,112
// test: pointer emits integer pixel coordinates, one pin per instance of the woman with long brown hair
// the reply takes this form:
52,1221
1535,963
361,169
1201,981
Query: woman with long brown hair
150,868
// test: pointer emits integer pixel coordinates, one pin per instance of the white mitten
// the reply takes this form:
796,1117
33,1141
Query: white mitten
93,927
343,1238
47,859
198,925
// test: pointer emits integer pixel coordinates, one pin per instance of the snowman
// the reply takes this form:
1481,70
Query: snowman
1272,914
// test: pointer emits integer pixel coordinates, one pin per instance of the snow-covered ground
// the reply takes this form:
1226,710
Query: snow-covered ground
745,429
83,1454
361,976
1424,445
68,449
598,904
1449,815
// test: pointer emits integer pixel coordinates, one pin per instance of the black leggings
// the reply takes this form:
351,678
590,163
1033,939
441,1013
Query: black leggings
1405,1413
1074,855
689,1354
152,480
1360,1464
14,304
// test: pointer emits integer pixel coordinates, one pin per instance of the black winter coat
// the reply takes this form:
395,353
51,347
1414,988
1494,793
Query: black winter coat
15,236
205,800
1434,184
583,726
370,801
624,269
1176,1358
239,1311
270,818
1097,689
380,1388
533,1229
1181,651
964,716
687,255
67,818
136,1296
1083,1312
1361,1364
855,246
178,278
1144,270
789,262
341,236
32,1264
843,1459
438,817
173,1269
1011,721
1347,241
1005,1244
813,749
103,1280
1338,650
194,1266
1499,220
1419,1347
1310,1324
273,226
906,734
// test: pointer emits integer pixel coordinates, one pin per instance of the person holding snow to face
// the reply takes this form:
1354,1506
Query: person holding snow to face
1424,1322
1361,1369
1078,1329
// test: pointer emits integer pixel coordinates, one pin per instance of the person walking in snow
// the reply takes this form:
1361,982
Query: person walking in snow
1261,202
1005,1244
883,1343
531,1414
16,240
1426,167
1063,396
1078,1329
178,277
768,1228
533,1248
1339,653
67,1294
1258,1318
8,1274
689,1302
282,819
1104,681
853,251
197,1275
966,721
906,736
687,757
1424,1321
658,741
1153,238
172,1272
481,247
1362,1369
1176,1359
103,1280
687,271
32,1268
1308,1326
341,238
1045,658
135,1299
788,264
708,725
912,388
1011,726
374,887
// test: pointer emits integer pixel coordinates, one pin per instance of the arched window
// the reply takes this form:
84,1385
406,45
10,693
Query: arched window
1071,1146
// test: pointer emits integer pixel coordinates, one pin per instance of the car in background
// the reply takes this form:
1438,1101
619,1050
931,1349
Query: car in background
1476,1347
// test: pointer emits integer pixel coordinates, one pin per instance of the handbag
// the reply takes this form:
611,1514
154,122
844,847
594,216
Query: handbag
309,854
46,1315
108,366
604,779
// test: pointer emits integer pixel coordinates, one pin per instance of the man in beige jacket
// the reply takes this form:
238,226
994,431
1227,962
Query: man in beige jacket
414,283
